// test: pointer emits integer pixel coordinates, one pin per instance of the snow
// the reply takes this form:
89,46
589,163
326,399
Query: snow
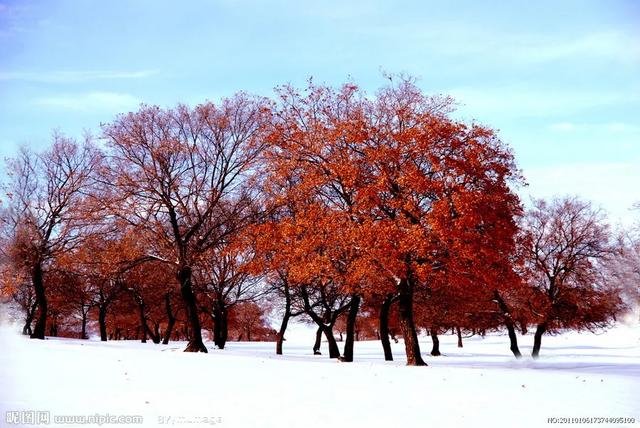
247,385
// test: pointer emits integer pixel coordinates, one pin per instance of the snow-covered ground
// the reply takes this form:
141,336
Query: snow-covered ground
247,385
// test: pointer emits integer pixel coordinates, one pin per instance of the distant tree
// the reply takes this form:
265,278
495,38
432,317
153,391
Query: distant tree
224,280
45,211
566,244
180,177
248,320
624,268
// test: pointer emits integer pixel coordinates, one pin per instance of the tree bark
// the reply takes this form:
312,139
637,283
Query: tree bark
155,334
285,321
509,323
83,332
171,319
143,323
384,327
435,350
334,351
41,299
459,333
317,343
513,339
537,339
354,306
186,290
409,333
26,330
102,322
221,326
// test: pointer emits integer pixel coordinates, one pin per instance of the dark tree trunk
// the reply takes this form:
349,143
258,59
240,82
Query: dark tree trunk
459,333
83,332
143,323
26,330
384,327
409,333
508,321
354,306
171,319
186,290
102,322
316,345
513,339
537,339
334,351
283,325
155,334
435,350
41,299
220,326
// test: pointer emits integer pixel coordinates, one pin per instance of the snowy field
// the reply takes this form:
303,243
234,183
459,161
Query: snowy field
247,385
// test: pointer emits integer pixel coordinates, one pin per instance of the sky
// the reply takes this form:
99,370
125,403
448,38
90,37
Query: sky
560,81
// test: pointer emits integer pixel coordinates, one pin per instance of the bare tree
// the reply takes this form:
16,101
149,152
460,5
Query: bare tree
565,242
176,175
45,213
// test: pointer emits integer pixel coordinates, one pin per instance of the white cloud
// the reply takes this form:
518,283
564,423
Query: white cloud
73,76
100,101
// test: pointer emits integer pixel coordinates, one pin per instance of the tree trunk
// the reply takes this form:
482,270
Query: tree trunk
102,322
155,336
513,339
459,333
220,327
334,351
170,317
384,327
508,321
41,299
143,323
316,345
283,326
26,330
409,333
186,290
537,339
435,350
354,306
83,332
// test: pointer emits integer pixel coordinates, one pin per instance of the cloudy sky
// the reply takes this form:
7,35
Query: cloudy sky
559,80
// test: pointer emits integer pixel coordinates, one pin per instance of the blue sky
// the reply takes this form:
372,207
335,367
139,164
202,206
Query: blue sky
559,80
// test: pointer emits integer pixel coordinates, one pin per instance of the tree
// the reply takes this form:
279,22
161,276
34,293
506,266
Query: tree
385,196
566,243
624,268
180,176
225,282
249,322
45,212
